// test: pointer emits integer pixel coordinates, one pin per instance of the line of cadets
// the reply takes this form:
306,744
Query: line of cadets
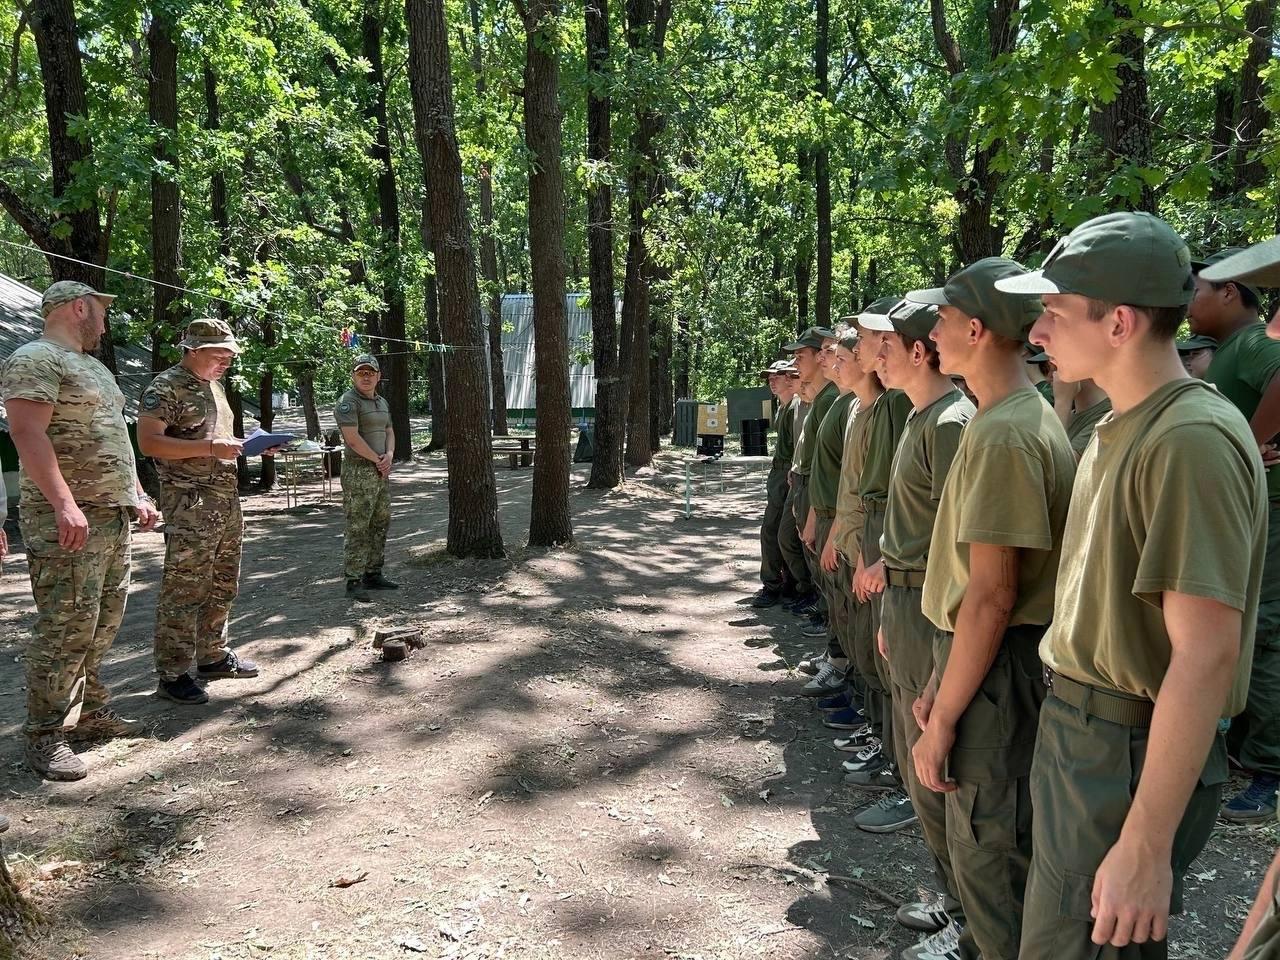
1044,606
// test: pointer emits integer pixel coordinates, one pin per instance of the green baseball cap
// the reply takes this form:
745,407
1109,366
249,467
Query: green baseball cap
913,320
811,338
365,360
1258,264
209,332
1191,344
1199,267
1133,258
876,314
65,291
1035,355
972,291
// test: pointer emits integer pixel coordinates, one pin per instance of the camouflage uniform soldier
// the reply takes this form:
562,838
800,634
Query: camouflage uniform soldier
365,421
186,426
79,490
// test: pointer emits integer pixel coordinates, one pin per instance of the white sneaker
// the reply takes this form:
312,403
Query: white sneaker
924,915
943,945
867,757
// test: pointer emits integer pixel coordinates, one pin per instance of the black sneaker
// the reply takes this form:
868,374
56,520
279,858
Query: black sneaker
182,690
357,592
376,581
764,597
229,667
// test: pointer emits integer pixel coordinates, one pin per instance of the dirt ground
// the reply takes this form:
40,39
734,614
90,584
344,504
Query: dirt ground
600,753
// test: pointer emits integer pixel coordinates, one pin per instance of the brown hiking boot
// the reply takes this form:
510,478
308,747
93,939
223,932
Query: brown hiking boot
51,758
105,724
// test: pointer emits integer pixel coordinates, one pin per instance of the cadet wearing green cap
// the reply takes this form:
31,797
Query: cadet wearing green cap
364,418
185,426
993,561
1038,371
79,491
773,567
1080,406
909,361
1156,600
1196,354
1244,370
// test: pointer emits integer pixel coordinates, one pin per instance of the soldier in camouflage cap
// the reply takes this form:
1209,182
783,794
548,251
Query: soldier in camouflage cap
79,493
185,425
365,421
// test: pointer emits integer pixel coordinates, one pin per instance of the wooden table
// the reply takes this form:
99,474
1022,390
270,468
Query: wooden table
513,448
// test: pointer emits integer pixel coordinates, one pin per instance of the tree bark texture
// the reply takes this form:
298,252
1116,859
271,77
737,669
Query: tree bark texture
473,500
53,23
394,350
1259,20
606,464
492,297
436,392
167,311
549,521
1126,120
822,171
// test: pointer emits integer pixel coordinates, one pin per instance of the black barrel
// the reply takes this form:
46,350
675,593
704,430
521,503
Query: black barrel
755,438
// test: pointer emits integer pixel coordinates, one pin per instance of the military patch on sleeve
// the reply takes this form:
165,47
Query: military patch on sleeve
150,401
344,406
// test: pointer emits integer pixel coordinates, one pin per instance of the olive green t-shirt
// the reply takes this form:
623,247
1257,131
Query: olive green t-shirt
1170,497
86,426
797,428
1242,368
370,417
1080,427
785,447
1009,485
888,419
929,443
828,452
807,433
850,514
1045,389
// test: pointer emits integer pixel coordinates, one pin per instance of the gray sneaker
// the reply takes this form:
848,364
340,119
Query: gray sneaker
830,679
812,663
51,758
890,813
875,778
943,945
927,916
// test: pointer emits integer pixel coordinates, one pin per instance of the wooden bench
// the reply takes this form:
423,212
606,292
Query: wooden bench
519,451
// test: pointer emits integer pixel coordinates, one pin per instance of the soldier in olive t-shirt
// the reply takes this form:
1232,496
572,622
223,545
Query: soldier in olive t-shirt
365,420
1156,598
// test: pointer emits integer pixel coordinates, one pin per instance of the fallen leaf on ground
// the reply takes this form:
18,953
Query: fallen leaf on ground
343,882
55,869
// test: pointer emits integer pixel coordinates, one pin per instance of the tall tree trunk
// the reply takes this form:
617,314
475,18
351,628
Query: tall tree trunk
1259,20
436,392
682,362
166,217
822,170
53,23
489,248
549,521
1126,119
394,350
606,463
222,223
305,377
266,403
473,496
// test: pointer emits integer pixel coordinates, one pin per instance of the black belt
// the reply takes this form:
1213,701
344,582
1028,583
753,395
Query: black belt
1110,705
904,578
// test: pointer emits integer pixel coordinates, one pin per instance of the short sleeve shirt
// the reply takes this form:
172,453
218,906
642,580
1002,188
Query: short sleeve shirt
929,443
1010,486
87,428
370,417
888,420
1242,369
1169,497
808,432
191,409
785,448
1080,428
797,430
849,510
828,452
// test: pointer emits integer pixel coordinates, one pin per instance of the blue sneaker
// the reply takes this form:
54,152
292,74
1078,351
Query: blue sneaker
846,719
1256,803
840,701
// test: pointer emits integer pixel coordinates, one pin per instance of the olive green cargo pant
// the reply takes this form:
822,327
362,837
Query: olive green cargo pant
856,635
988,816
789,539
773,566
1257,730
909,636
801,507
873,527
827,584
1083,779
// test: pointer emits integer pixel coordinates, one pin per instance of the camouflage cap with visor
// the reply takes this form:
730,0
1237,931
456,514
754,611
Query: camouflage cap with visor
1132,258
1258,264
209,332
67,291
973,292
365,360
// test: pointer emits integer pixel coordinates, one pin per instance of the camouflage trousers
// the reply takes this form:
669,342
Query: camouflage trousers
80,600
203,538
366,503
